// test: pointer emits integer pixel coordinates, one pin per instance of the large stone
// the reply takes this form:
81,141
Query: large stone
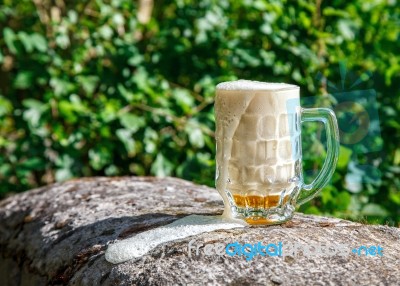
58,234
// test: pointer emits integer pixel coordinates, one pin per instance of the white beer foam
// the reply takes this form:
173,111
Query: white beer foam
243,84
142,243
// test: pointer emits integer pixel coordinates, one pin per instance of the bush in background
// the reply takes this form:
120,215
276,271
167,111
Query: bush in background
120,87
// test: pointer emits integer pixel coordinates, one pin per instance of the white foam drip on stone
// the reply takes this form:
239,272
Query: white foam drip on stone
243,84
142,243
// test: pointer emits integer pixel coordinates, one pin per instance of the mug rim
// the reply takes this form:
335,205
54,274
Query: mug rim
256,86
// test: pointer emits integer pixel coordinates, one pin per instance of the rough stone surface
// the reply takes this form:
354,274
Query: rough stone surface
58,235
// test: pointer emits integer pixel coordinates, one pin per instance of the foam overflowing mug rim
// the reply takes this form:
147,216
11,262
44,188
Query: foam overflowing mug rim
252,85
258,150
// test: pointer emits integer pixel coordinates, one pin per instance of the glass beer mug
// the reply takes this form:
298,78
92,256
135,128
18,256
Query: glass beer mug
258,138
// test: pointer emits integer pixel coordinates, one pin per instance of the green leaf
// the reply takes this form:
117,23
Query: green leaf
67,111
33,103
184,99
5,169
9,37
110,111
346,29
64,164
162,167
34,163
312,210
111,170
106,32
125,135
135,60
88,83
150,140
326,195
395,197
73,16
330,11
125,93
5,106
39,42
34,112
372,209
23,80
343,200
60,86
344,157
62,41
196,138
26,41
131,122
72,109
266,28
99,157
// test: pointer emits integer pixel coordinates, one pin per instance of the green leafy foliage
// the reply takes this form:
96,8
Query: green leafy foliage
87,89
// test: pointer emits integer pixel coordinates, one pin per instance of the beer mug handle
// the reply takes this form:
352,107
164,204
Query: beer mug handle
327,117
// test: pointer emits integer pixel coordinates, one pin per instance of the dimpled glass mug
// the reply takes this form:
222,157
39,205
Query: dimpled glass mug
258,136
